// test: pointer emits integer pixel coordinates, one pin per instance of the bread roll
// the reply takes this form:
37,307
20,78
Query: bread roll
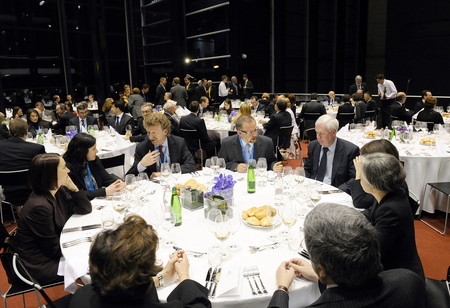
244,215
260,214
253,221
265,222
251,211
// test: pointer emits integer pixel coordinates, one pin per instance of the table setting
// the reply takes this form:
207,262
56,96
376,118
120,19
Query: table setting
235,261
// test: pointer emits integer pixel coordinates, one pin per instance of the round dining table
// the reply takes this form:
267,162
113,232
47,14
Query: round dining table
193,235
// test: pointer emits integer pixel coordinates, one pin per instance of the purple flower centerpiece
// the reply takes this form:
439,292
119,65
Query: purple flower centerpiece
402,133
221,194
71,133
234,113
158,108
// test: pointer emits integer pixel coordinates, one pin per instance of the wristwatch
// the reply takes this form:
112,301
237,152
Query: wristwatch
161,280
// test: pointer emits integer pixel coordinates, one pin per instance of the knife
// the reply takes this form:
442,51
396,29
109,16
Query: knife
216,281
208,277
333,191
83,228
213,277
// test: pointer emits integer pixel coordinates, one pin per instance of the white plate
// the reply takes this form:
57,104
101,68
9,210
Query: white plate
277,222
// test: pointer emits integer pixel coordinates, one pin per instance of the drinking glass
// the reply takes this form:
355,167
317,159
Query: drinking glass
215,165
295,240
130,181
222,165
215,255
288,176
128,130
222,232
165,173
235,223
211,219
272,216
261,166
271,176
142,178
119,203
67,129
288,214
315,192
107,220
95,127
176,171
170,218
208,170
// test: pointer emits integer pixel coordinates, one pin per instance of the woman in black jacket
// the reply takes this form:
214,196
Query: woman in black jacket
86,169
35,123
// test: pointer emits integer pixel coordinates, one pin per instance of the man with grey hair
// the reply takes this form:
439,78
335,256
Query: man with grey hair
330,159
139,132
169,112
234,86
345,257
358,85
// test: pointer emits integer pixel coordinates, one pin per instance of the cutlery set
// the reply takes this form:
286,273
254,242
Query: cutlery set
87,239
77,241
304,254
195,254
253,272
195,174
255,249
212,279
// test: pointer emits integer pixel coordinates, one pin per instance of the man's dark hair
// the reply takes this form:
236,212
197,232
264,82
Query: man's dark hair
380,76
357,97
224,77
346,98
424,92
38,104
62,106
82,106
119,104
145,86
194,107
313,96
368,93
282,105
245,75
255,97
203,99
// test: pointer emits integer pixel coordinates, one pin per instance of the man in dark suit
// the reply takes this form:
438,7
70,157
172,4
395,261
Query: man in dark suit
238,149
160,147
193,121
83,121
179,93
139,133
270,110
211,93
248,87
280,119
135,101
120,120
16,154
256,105
200,90
346,107
358,85
169,111
370,102
160,90
345,260
330,159
234,89
332,99
398,108
312,106
144,93
46,114
190,89
64,119
421,104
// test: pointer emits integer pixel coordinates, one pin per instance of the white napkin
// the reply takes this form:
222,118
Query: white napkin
394,141
120,142
371,126
440,149
343,132
75,267
230,281
83,129
49,134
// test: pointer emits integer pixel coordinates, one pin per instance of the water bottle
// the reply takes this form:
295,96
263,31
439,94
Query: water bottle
278,184
251,187
176,205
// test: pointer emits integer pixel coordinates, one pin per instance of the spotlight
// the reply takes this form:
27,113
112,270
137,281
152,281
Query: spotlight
216,66
187,60
42,3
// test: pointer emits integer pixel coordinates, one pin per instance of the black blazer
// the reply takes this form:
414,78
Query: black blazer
418,106
178,151
200,91
4,132
371,105
231,151
429,115
190,89
192,121
139,133
260,107
345,108
394,222
90,120
353,88
122,127
32,130
399,288
64,120
248,92
175,130
401,113
270,110
159,98
280,119
311,107
101,176
213,96
343,168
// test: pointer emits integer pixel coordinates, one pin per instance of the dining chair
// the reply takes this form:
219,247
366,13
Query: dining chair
115,161
345,118
191,137
12,178
437,292
444,188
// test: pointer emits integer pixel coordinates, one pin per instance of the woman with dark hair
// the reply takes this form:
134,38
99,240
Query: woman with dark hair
227,106
53,200
69,107
381,176
124,271
17,112
429,115
86,169
35,123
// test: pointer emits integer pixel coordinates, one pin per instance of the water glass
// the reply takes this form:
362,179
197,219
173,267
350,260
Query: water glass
107,220
215,255
295,239
175,169
165,173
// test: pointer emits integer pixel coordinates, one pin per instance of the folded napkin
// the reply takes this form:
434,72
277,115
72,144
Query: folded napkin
49,134
120,142
230,281
440,149
343,132
73,268
394,142
371,126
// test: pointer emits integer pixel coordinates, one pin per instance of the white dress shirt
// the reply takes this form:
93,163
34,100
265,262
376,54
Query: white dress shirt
330,158
223,89
165,149
391,90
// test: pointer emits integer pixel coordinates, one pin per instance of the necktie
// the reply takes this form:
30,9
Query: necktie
117,120
161,154
247,153
82,123
322,166
209,92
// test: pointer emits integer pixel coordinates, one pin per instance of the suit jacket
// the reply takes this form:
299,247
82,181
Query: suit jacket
16,154
4,132
101,176
175,130
135,102
353,88
345,108
122,127
248,92
418,106
187,294
213,95
401,113
311,107
178,151
64,120
139,133
343,168
429,115
236,91
399,288
360,110
260,107
179,94
231,151
337,100
200,91
41,221
371,105
270,110
190,89
192,121
280,119
394,222
159,98
90,120
33,131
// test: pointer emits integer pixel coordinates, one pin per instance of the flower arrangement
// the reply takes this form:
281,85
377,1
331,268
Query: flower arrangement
234,113
221,194
401,129
71,133
158,108
222,182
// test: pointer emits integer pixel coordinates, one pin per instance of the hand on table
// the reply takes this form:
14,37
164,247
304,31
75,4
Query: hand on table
169,269
241,168
155,175
358,165
278,167
285,274
126,137
150,158
182,266
115,187
302,267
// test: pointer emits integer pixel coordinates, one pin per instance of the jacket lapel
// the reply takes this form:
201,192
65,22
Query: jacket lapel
172,149
337,158
238,149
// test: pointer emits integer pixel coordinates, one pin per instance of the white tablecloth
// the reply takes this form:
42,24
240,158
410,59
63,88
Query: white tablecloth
193,235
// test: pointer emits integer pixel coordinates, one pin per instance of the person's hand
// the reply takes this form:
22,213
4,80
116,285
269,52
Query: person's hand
303,268
126,137
278,167
115,187
241,168
169,269
182,267
150,158
285,274
69,184
155,175
358,166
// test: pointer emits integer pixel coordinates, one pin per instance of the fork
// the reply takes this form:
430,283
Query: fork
253,274
246,275
256,273
77,241
262,247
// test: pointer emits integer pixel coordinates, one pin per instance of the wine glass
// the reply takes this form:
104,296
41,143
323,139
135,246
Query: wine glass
175,168
222,232
67,129
315,192
119,203
222,165
170,218
207,169
215,165
130,181
165,173
142,178
288,214
211,218
272,216
95,128
261,166
288,176
235,223
128,130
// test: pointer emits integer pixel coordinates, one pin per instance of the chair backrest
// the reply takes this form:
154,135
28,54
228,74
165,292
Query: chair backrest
14,178
430,125
311,115
284,136
190,135
285,130
437,293
345,118
414,202
232,133
116,161
311,133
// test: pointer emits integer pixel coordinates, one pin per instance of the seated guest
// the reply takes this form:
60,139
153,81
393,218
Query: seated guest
91,101
270,110
256,105
69,107
124,271
45,113
17,112
330,159
35,123
421,104
83,121
203,104
429,115
345,260
245,145
265,99
382,176
169,112
332,99
53,200
4,131
120,120
160,147
360,106
64,119
370,102
227,106
346,107
139,133
16,154
244,109
311,107
86,169
398,108
107,109
280,119
135,101
193,121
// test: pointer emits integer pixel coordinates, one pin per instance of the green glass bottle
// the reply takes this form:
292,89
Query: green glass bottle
40,139
392,134
218,117
176,205
251,181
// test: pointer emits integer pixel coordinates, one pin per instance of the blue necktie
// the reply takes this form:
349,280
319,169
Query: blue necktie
322,166
247,153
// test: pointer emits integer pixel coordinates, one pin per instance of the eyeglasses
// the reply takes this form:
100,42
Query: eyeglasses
250,132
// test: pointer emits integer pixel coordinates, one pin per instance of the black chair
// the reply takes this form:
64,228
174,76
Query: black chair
232,133
430,125
371,115
345,118
437,292
13,178
444,188
191,137
309,125
115,161
285,136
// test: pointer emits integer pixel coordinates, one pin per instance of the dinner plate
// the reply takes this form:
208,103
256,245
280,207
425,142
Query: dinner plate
277,222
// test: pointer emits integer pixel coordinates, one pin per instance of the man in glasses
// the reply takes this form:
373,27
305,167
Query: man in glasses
237,150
